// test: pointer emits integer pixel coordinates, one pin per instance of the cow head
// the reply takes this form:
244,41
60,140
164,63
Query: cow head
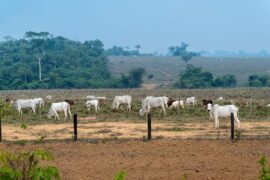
142,112
209,106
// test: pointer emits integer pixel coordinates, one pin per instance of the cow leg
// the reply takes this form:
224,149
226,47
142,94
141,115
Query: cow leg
65,112
237,120
56,115
216,123
69,112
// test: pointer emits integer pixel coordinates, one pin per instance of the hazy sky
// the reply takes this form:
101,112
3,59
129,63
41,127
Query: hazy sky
154,24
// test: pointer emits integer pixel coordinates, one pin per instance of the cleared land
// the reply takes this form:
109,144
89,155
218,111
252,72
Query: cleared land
166,69
158,159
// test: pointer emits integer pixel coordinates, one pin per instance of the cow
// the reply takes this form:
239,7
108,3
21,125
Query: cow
170,101
217,111
207,101
25,103
175,104
58,107
191,101
70,102
151,102
49,98
39,102
220,98
90,103
118,100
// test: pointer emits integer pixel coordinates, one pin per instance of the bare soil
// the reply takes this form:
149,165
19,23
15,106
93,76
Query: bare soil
127,130
156,159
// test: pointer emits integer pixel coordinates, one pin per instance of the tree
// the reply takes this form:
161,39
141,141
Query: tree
194,77
38,42
133,79
182,51
258,81
227,80
137,47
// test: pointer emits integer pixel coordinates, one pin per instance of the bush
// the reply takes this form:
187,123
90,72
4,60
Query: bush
25,166
264,170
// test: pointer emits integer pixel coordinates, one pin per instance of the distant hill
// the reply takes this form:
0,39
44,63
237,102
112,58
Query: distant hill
166,69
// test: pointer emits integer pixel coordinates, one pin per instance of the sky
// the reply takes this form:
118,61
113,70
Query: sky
154,24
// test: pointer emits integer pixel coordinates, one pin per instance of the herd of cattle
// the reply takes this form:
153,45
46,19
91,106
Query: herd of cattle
163,102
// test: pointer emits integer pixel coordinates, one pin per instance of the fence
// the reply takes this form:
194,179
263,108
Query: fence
76,131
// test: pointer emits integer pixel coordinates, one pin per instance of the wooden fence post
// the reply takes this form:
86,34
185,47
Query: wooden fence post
149,128
75,122
232,126
0,129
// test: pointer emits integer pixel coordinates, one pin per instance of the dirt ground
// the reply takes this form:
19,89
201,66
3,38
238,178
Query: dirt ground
127,130
157,159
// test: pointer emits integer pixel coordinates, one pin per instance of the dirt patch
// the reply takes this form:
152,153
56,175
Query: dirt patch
126,130
158,159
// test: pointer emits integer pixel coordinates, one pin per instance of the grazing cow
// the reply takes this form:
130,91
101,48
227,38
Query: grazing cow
191,100
118,100
151,102
175,104
25,103
70,102
217,111
39,102
90,103
170,101
49,98
207,101
58,107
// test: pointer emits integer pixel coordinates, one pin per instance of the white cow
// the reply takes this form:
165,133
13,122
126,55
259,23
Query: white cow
151,102
58,107
175,104
91,97
220,98
118,100
90,103
191,101
39,102
217,111
49,97
25,103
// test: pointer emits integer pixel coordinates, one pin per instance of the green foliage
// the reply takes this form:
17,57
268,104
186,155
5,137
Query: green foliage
5,109
194,77
120,51
133,79
182,51
227,80
65,64
258,81
23,126
120,175
264,170
25,166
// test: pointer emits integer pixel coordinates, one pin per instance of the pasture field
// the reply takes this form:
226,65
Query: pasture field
191,122
166,69
157,159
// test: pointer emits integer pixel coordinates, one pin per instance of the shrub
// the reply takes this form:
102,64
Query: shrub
264,170
25,166
120,175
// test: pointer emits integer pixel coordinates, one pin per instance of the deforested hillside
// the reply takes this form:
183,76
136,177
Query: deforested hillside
165,70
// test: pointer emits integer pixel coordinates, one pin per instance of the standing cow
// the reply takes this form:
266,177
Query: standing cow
217,111
118,100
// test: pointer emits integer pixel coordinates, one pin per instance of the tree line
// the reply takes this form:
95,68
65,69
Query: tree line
40,60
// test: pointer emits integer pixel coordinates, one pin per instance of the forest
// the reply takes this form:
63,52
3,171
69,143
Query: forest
41,61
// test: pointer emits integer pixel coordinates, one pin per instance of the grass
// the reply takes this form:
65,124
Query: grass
189,114
166,69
